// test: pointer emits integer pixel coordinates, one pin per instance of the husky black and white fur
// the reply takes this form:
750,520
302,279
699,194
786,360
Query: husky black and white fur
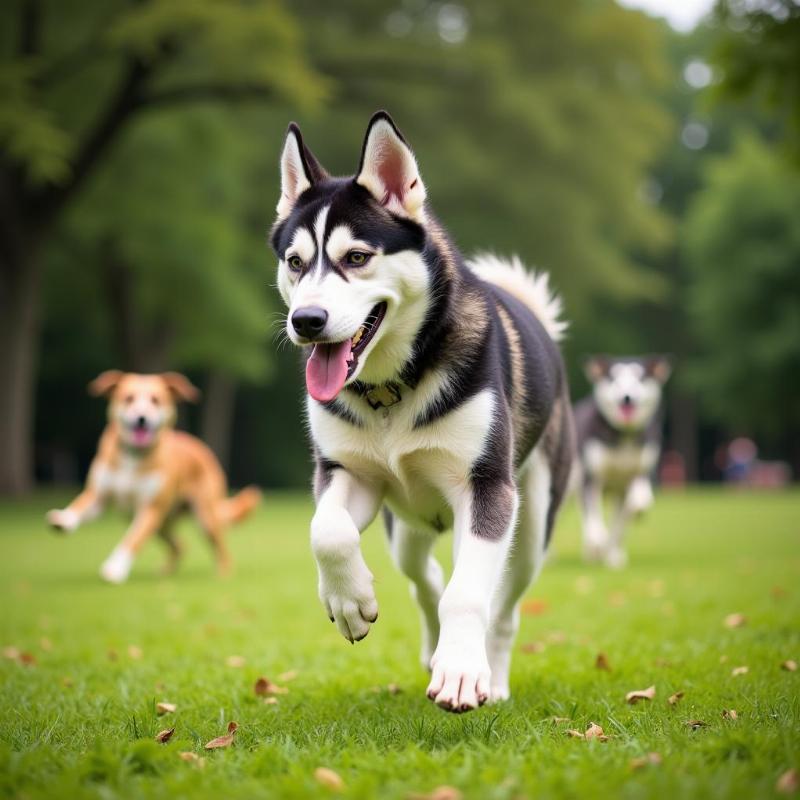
436,392
619,444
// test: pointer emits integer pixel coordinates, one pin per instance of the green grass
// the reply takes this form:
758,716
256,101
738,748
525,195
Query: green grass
80,723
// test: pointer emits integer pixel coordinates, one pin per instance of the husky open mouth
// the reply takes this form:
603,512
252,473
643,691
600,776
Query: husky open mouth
331,363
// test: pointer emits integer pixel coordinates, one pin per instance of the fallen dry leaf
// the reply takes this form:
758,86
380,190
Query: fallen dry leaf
735,620
165,708
264,686
192,758
439,793
393,688
329,779
235,661
534,607
532,647
651,759
135,652
11,652
723,659
673,699
790,665
601,662
66,681
558,720
594,731
164,736
224,741
287,676
729,713
583,584
27,659
556,637
640,694
113,655
740,671
694,724
778,592
789,782
270,701
45,644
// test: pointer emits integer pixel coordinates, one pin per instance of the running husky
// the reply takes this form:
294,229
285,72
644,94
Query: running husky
619,443
436,389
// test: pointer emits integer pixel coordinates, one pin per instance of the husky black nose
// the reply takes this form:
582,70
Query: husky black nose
627,400
141,422
309,321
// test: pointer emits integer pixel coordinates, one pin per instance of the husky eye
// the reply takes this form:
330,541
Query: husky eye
295,263
357,258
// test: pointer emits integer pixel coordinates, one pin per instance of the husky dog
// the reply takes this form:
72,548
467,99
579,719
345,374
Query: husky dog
619,443
435,390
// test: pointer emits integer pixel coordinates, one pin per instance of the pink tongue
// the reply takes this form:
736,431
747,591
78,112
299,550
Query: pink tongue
326,370
141,436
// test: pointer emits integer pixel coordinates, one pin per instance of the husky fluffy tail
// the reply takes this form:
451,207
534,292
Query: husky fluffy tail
530,288
235,509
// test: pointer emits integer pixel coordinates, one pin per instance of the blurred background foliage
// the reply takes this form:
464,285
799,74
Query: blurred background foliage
653,173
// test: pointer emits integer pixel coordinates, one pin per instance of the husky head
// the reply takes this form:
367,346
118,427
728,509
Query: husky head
351,269
627,390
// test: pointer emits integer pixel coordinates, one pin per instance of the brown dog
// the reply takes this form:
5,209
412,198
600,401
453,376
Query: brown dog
144,465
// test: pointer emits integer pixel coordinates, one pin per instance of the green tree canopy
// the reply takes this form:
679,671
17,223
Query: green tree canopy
742,240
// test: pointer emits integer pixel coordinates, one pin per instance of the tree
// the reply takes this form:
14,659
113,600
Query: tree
74,80
742,240
759,57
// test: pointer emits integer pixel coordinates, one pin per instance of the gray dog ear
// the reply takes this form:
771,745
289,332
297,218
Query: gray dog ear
300,170
595,368
659,367
388,169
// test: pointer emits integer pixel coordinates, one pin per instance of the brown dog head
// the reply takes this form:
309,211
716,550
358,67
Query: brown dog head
142,406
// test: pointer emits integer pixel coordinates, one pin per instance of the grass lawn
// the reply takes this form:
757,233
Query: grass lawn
81,720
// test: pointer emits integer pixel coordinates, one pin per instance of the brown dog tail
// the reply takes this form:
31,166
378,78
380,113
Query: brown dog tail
236,508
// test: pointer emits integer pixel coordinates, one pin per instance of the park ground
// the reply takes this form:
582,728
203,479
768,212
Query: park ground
85,665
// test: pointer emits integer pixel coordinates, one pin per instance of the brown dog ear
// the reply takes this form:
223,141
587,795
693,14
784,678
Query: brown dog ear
595,367
105,383
181,387
660,367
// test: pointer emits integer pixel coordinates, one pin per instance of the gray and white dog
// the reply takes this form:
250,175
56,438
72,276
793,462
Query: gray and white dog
619,443
436,391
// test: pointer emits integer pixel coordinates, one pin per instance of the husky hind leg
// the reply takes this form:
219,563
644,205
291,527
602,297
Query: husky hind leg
411,551
524,561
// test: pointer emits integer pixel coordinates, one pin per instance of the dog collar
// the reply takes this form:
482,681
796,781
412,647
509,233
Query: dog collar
384,396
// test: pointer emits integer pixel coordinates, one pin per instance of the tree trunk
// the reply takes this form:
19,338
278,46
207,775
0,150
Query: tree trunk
683,424
218,407
19,348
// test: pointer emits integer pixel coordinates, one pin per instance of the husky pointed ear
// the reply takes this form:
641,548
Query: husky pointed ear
595,367
659,367
389,171
299,170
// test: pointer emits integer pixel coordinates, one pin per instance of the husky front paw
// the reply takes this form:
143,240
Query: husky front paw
62,519
460,681
349,599
616,558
